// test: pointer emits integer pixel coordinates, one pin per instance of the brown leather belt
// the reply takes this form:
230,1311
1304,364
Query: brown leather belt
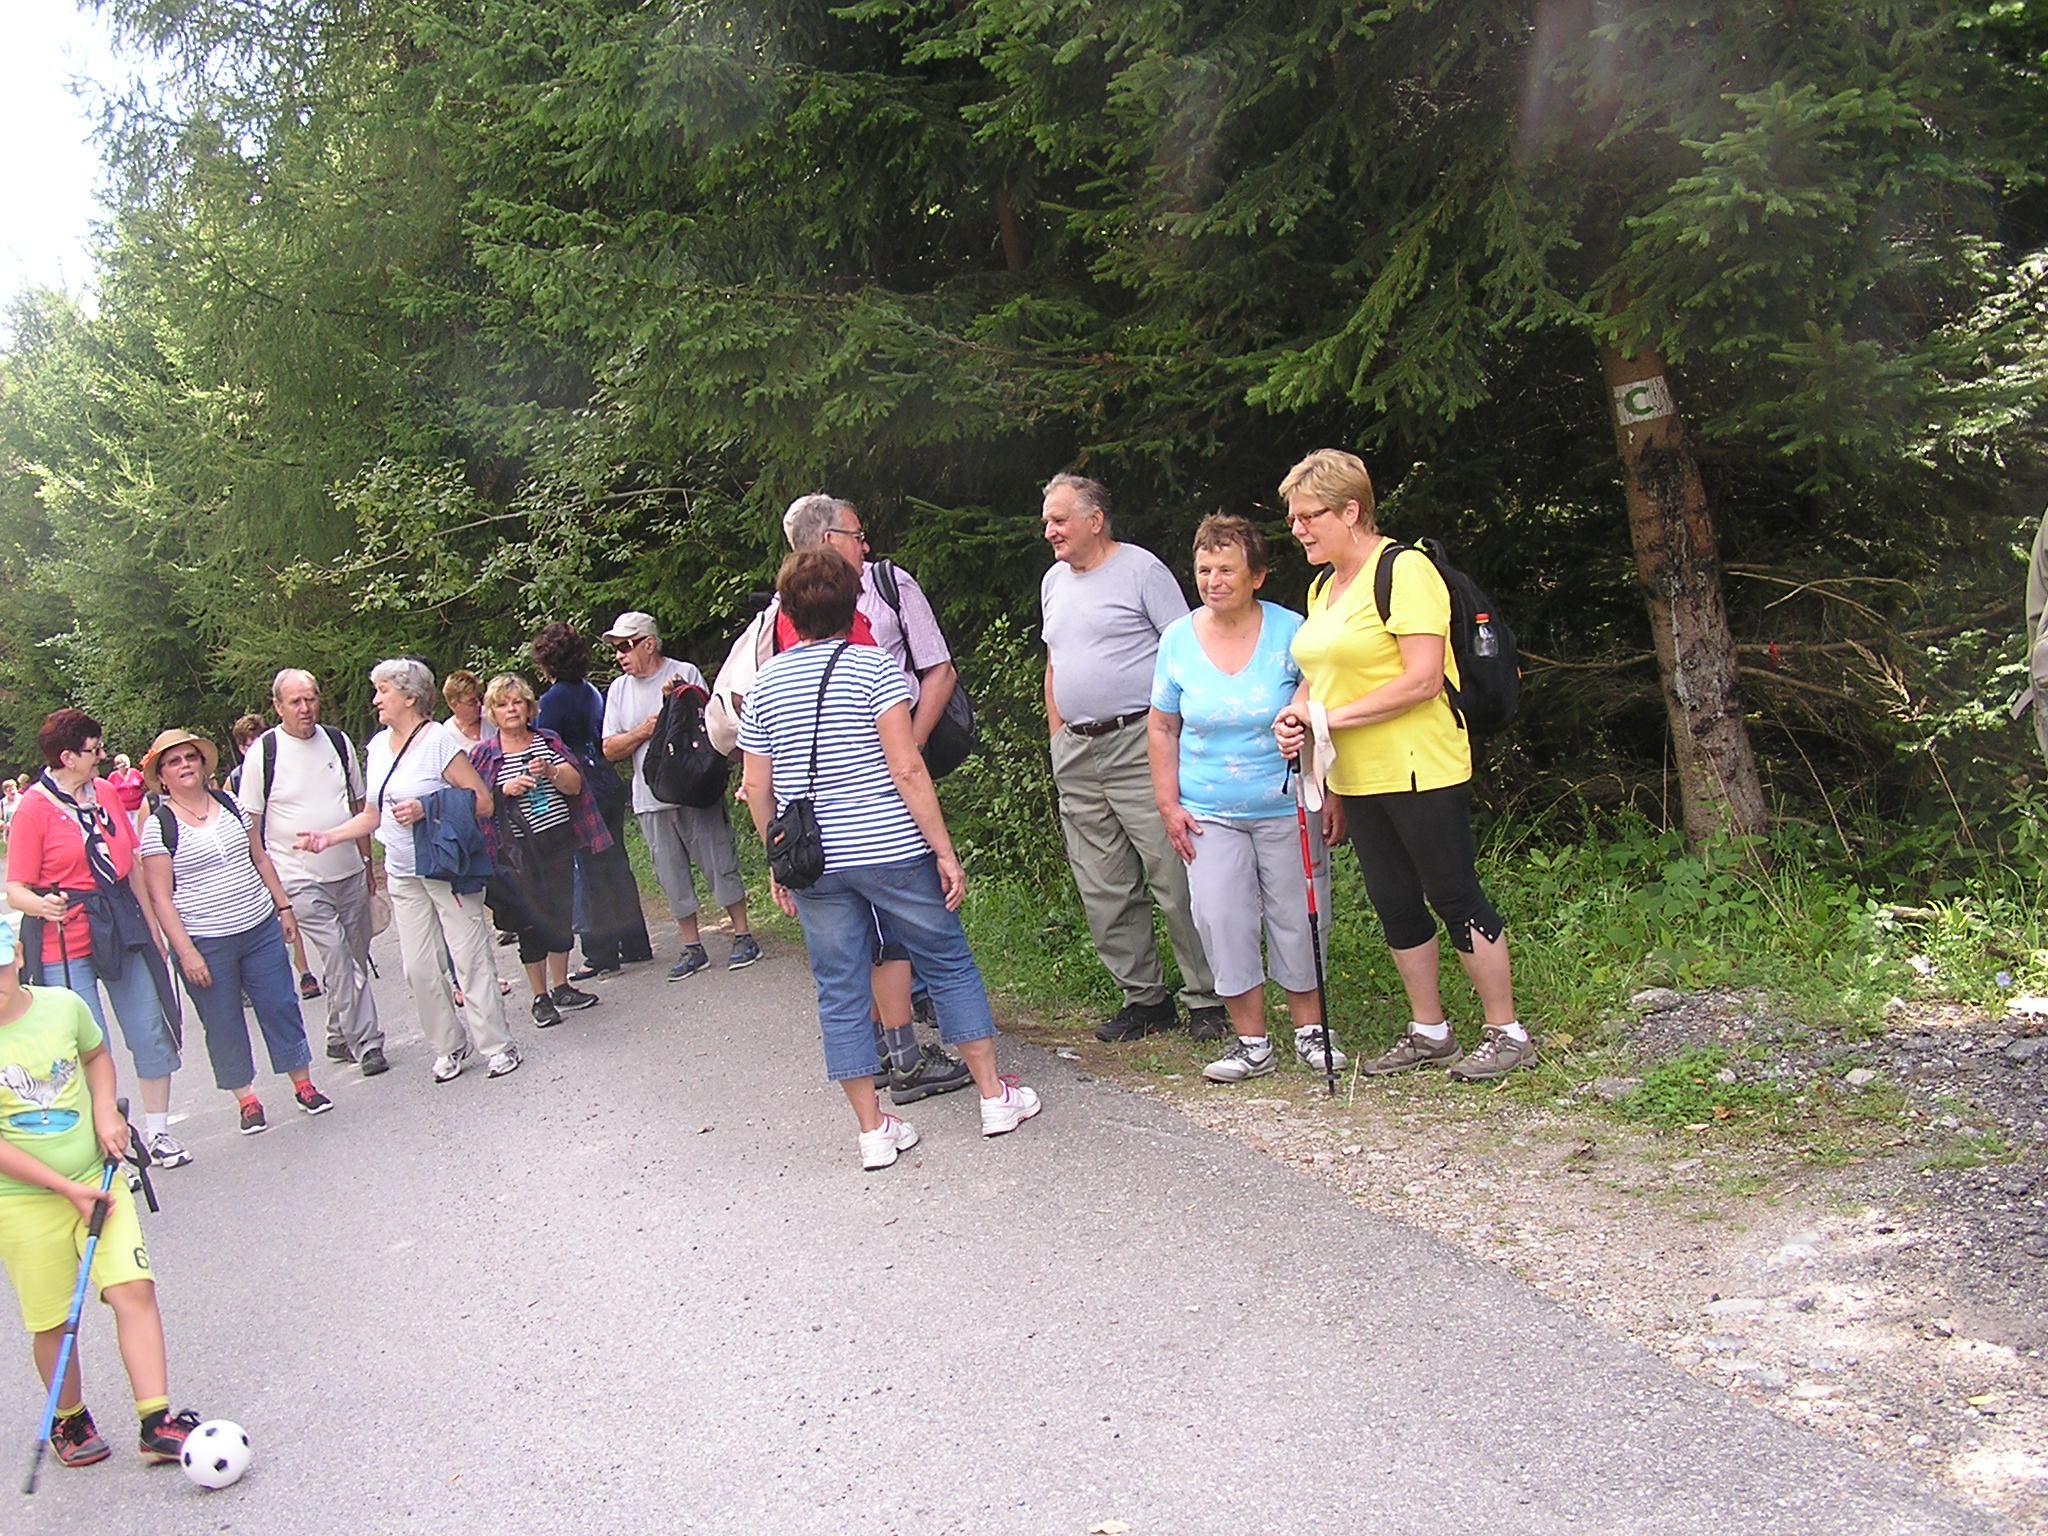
1104,727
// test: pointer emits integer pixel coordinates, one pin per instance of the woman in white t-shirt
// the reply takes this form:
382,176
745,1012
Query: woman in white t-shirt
411,758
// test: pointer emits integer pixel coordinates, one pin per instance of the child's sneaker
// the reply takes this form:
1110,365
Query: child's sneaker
253,1121
76,1442
878,1148
164,1432
1008,1110
311,1099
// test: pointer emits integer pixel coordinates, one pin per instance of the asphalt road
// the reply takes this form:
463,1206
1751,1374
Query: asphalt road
643,1286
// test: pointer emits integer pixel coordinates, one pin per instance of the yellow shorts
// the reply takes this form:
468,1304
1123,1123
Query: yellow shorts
42,1239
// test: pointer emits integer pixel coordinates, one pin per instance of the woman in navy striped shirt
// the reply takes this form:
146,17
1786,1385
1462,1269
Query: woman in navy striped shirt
890,872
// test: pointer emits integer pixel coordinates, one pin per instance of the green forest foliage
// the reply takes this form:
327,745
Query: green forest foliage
422,322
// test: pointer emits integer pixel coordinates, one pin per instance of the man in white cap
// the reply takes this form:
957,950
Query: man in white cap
678,836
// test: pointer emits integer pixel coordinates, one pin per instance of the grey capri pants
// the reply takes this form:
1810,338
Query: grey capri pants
1248,872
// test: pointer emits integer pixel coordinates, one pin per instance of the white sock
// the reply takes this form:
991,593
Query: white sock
1438,1032
1258,1045
1514,1031
154,1126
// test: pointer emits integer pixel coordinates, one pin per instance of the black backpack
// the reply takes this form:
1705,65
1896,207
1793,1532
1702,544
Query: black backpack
1489,686
956,737
681,766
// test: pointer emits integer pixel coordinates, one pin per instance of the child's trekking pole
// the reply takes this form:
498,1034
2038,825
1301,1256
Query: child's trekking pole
70,1338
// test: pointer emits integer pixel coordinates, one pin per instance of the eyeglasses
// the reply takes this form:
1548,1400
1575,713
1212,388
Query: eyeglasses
1303,519
620,647
852,533
92,749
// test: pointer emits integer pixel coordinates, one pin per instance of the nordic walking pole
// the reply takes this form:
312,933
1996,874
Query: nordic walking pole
70,1338
1315,925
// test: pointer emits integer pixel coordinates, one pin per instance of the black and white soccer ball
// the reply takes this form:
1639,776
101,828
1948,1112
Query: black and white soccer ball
217,1453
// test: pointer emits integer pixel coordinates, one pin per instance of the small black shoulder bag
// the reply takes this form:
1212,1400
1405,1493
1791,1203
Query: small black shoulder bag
796,851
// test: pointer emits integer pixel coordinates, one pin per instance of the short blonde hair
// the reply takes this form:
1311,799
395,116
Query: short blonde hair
461,684
1334,477
509,685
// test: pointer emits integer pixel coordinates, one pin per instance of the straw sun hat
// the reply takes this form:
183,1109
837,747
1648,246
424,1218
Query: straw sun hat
165,740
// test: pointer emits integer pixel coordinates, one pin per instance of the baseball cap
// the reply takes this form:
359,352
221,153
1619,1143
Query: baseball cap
631,625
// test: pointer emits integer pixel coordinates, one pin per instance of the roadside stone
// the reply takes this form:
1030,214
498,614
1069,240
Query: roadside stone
2027,1051
2029,1005
1735,1306
1612,1090
1861,1077
1895,1008
1765,1378
1656,1000
1723,1344
2035,1247
2016,1184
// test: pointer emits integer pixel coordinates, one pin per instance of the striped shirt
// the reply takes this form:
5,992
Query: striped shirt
214,884
861,816
542,806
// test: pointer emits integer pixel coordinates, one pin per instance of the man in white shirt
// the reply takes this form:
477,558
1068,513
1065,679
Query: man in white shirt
678,836
298,776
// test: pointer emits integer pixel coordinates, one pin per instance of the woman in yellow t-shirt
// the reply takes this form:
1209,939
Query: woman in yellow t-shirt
1402,763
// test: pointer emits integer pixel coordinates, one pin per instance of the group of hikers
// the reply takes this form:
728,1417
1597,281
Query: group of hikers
1204,760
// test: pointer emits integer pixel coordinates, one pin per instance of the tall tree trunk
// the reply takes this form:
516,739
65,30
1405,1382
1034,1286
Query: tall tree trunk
1676,560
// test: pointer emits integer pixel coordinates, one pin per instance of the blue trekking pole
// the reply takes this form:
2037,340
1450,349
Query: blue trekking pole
70,1339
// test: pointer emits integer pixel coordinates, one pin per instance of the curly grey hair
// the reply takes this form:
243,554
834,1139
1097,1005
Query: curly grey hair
810,517
411,678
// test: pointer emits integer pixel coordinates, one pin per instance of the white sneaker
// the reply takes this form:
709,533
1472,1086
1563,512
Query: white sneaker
504,1063
1010,1109
878,1148
1308,1049
1240,1062
449,1068
166,1151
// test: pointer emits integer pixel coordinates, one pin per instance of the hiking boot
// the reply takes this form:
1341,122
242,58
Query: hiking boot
1412,1050
693,960
1308,1050
545,1014
1496,1055
309,986
253,1121
337,1050
935,1073
166,1151
878,1148
569,999
448,1068
1008,1110
76,1442
1134,1021
504,1063
1241,1061
164,1432
311,1099
745,951
374,1064
922,1012
1210,1023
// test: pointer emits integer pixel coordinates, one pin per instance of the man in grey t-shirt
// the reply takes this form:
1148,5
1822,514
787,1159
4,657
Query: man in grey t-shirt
678,836
1104,606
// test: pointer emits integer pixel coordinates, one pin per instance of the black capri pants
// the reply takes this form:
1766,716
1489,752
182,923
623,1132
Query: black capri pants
1415,846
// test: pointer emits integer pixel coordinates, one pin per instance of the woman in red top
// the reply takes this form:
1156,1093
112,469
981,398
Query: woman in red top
71,862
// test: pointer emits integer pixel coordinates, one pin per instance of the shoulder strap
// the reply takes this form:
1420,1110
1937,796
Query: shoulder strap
415,736
1383,580
1317,588
167,827
885,583
818,720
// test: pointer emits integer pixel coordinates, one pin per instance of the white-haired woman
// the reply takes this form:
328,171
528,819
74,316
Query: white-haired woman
411,758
